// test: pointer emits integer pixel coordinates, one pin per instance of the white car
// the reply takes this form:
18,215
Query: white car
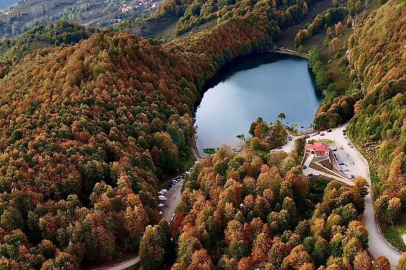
161,205
162,198
164,191
160,212
316,174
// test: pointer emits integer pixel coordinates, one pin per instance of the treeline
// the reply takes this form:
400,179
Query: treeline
244,211
61,32
337,106
322,22
197,12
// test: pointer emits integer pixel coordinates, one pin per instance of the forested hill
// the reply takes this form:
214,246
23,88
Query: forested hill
377,50
88,130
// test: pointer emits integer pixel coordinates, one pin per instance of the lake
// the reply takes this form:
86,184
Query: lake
6,3
262,85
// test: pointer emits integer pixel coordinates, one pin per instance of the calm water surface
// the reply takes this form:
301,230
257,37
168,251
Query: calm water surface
251,87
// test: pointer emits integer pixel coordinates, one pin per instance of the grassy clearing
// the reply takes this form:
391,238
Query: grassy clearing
326,141
394,237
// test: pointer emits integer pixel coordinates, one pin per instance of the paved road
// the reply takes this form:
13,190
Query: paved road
174,196
122,265
359,167
289,147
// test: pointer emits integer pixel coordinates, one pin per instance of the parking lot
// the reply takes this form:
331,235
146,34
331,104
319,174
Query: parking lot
173,199
344,153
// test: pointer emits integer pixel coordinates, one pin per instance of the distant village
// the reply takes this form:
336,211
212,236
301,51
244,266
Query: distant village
138,4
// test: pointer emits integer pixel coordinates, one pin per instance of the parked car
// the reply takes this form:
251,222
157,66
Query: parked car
351,146
172,217
280,147
306,137
304,167
310,175
160,212
316,174
345,170
341,163
290,138
352,176
322,134
161,205
335,149
162,198
329,130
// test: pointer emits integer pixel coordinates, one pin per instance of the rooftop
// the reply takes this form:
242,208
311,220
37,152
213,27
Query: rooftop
318,147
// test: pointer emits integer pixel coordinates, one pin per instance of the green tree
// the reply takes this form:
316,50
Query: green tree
209,151
152,249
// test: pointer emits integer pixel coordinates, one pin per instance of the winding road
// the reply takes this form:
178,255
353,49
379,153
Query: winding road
378,245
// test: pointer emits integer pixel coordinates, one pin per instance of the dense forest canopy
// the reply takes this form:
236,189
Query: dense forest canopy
378,57
89,128
250,211
87,131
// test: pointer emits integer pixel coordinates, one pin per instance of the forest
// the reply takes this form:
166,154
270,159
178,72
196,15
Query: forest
91,122
379,122
250,211
89,130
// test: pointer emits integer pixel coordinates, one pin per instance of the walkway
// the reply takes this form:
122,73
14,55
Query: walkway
309,160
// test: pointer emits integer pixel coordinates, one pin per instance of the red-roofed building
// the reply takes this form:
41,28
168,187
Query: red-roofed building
318,149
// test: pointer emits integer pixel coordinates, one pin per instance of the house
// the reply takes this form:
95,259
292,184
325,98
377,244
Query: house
319,149
126,8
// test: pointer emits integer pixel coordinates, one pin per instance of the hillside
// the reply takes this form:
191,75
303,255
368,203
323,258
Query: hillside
87,131
61,32
31,13
377,53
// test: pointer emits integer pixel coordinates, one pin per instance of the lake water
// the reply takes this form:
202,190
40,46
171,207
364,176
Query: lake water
6,3
256,86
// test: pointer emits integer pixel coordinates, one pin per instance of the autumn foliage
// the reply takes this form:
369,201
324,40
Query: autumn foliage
250,219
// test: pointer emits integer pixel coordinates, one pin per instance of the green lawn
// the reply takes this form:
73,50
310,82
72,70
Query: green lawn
395,238
326,141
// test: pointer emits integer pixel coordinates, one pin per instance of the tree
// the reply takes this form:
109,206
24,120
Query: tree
402,262
201,261
381,263
321,251
339,28
209,151
281,116
362,261
402,197
352,248
152,250
349,21
394,211
361,186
